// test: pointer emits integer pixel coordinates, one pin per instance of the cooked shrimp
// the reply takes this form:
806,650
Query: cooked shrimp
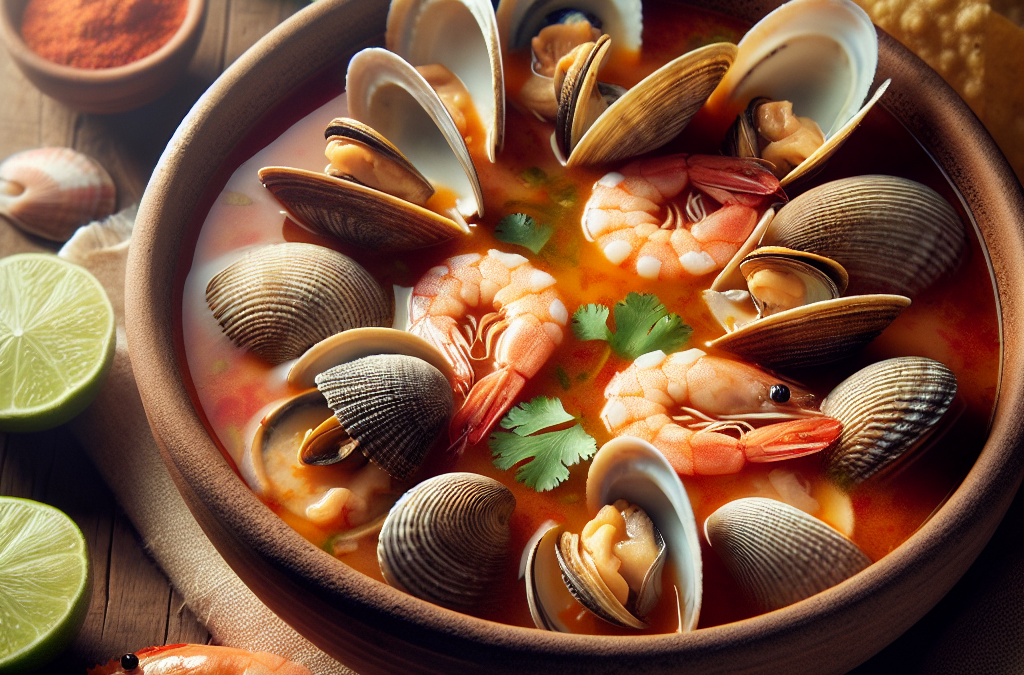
199,660
524,328
715,395
632,217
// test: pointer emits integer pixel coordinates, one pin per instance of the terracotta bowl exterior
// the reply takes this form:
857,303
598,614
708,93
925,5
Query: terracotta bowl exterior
374,628
107,90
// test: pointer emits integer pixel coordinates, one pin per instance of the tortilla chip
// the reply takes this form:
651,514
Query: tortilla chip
949,35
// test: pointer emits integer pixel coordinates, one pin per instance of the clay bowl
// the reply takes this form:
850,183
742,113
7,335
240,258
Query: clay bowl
107,90
374,628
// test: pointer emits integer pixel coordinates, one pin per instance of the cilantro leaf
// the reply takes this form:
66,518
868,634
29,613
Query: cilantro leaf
642,325
521,229
547,455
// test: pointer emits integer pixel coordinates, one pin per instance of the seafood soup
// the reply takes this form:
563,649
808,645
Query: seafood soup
542,320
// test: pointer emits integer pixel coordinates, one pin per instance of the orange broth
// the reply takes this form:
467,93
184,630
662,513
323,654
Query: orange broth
954,322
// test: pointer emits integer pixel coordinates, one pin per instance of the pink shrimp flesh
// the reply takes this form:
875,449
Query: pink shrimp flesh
715,395
632,214
522,330
186,659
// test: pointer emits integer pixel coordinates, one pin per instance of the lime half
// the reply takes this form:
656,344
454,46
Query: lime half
56,341
44,583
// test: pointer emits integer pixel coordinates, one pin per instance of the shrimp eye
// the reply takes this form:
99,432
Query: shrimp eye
779,393
129,662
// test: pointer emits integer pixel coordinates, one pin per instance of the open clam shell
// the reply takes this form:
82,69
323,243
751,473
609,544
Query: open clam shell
392,407
646,116
420,31
819,54
777,553
519,21
893,235
815,334
278,300
887,409
446,540
386,93
50,192
631,469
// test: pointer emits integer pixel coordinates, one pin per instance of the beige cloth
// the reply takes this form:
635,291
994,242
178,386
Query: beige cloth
116,435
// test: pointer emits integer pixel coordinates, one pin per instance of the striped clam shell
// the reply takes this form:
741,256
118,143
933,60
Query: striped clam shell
886,409
777,553
447,539
892,235
394,406
279,300
50,192
814,334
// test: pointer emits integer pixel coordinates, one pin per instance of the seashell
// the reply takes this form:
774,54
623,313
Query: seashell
356,214
893,235
347,131
389,407
278,300
777,553
643,118
821,55
50,192
780,278
446,540
887,410
631,469
420,31
814,334
356,343
388,94
519,21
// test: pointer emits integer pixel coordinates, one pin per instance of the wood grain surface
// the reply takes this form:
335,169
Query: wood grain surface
978,627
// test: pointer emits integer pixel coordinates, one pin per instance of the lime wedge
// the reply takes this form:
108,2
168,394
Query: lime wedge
56,341
44,583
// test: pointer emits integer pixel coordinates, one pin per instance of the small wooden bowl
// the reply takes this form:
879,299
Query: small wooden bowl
106,90
372,627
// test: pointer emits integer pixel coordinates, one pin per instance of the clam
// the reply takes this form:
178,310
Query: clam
598,127
390,408
354,496
388,94
815,334
278,300
887,409
420,31
818,55
381,207
892,235
356,343
446,540
596,122
50,192
777,553
632,475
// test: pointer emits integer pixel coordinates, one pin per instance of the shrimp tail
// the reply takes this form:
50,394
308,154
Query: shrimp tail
487,402
733,180
795,438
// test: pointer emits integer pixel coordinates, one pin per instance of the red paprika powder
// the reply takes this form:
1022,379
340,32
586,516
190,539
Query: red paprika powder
100,33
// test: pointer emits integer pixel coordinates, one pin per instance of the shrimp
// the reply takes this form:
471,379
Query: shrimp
525,328
630,214
715,395
199,660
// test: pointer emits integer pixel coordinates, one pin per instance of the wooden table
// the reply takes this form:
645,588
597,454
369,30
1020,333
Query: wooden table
132,604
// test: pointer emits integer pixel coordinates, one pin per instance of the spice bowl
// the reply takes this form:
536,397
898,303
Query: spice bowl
372,627
105,90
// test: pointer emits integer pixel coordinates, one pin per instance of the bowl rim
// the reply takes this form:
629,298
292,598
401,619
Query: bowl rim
916,574
10,30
